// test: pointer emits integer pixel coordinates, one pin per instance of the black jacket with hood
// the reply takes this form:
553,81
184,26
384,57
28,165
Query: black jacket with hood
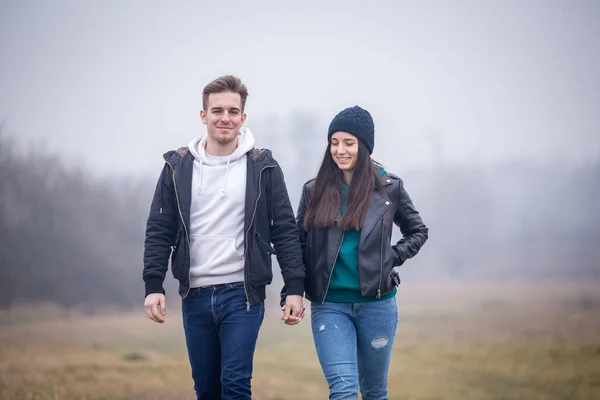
269,219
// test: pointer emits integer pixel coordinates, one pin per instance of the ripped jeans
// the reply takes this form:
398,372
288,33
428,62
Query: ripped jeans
354,345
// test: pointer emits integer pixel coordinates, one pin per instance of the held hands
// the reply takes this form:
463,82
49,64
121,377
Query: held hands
293,310
155,306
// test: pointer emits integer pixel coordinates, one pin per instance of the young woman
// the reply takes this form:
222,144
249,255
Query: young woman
345,221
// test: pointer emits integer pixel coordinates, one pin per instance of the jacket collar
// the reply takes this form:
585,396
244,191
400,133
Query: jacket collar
386,179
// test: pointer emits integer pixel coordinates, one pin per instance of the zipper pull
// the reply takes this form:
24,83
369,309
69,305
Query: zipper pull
247,306
378,293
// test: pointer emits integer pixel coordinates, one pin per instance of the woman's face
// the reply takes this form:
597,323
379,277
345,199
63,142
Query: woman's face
344,150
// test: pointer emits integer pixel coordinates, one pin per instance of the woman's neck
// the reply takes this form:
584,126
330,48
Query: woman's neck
348,176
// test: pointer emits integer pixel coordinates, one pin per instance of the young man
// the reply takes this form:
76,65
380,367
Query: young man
218,206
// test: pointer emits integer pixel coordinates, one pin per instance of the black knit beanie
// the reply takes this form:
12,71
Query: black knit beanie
356,121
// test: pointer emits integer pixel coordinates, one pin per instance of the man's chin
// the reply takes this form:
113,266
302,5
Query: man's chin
225,140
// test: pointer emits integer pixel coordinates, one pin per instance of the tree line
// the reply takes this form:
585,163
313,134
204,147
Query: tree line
77,240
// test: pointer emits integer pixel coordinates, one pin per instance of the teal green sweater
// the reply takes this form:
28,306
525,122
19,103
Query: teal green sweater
344,286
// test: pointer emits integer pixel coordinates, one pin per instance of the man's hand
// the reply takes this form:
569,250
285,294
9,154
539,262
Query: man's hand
293,310
155,306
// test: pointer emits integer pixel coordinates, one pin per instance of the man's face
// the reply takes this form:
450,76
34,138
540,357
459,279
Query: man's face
223,117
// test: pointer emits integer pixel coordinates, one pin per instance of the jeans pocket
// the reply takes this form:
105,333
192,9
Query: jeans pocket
193,293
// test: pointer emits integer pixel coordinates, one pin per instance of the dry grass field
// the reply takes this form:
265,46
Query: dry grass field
519,341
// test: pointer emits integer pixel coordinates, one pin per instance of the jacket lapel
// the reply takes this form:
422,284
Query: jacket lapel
378,207
334,241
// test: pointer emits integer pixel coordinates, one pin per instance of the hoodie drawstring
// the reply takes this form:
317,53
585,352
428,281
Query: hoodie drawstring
225,180
200,185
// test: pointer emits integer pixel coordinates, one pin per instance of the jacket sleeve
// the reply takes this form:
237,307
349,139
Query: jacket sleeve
161,228
414,231
284,236
304,199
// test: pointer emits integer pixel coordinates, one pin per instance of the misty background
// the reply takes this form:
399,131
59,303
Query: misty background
489,111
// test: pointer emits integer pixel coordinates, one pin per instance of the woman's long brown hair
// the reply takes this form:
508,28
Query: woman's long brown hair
326,196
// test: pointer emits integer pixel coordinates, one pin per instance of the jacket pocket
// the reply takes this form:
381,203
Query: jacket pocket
395,275
175,250
177,240
262,273
389,263
265,245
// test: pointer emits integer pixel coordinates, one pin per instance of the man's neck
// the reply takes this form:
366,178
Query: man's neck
214,148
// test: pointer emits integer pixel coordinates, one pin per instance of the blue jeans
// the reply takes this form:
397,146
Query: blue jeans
354,345
221,337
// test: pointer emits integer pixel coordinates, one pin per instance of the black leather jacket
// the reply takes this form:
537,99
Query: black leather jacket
376,256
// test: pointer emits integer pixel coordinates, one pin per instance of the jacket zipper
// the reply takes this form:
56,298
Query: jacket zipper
248,231
331,273
183,223
380,265
381,259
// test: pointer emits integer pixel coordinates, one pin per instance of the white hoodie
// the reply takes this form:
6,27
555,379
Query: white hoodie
217,213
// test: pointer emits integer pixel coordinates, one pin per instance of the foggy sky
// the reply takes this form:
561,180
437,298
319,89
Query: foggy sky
118,83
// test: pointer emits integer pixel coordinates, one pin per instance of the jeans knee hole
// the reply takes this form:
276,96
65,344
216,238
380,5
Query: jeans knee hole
379,343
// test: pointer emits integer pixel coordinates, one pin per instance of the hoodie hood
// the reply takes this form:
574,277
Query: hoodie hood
245,144
198,149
